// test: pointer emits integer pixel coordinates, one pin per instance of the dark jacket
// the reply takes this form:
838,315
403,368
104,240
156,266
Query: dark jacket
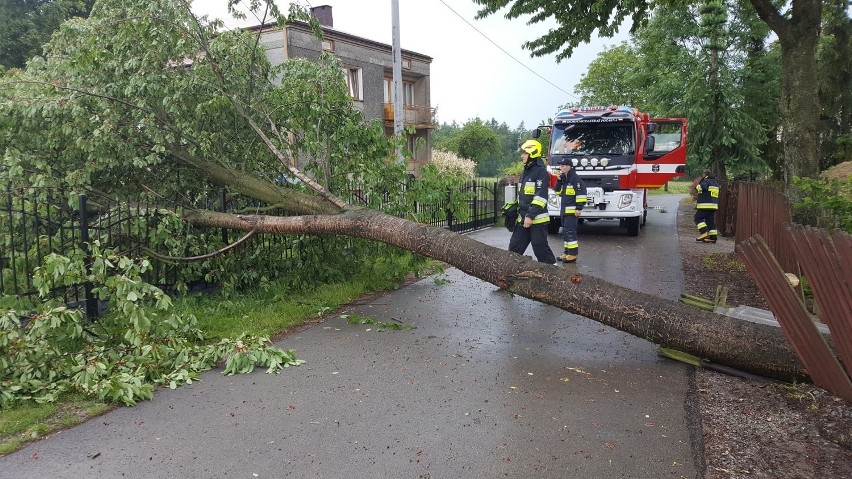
572,191
532,192
708,194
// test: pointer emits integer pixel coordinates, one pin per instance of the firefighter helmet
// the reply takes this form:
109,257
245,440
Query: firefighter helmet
533,147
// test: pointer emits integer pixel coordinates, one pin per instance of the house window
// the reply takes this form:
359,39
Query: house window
407,91
328,45
410,144
353,82
406,63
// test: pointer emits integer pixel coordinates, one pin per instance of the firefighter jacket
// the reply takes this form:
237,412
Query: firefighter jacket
572,191
532,197
708,194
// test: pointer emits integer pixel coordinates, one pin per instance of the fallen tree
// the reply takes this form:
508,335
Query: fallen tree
115,108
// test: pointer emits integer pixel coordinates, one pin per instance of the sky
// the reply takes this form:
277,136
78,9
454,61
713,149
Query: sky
470,75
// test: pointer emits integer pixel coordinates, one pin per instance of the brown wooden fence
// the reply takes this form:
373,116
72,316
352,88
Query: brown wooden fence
770,246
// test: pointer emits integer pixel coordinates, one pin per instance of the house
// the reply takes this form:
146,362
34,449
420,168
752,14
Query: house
368,69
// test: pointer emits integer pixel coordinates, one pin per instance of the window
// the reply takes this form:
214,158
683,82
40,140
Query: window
406,63
407,91
667,137
353,82
411,143
328,45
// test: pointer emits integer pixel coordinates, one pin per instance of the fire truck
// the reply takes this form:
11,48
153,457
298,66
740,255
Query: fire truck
620,153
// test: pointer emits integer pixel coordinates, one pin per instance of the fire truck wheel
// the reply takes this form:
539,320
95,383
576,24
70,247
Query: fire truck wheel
632,226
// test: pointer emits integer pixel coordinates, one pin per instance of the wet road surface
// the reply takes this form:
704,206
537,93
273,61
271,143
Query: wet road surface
487,385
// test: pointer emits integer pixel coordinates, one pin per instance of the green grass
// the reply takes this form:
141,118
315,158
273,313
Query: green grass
269,312
675,187
29,421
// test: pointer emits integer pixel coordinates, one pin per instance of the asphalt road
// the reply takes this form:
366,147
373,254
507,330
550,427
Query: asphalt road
487,385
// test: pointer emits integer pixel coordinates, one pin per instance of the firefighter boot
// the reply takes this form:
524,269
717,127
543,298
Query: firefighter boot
702,237
569,258
710,239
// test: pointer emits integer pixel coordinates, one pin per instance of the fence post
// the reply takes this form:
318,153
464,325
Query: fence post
222,209
91,304
476,219
497,206
449,210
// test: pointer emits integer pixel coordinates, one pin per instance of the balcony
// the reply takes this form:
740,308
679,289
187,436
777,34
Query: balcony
420,117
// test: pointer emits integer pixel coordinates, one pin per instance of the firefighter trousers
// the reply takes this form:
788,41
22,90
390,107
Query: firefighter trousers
569,234
535,235
705,221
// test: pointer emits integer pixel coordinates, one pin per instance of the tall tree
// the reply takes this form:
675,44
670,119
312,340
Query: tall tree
116,96
797,30
26,25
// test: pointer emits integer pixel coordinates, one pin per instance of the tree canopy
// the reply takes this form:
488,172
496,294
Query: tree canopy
797,30
26,25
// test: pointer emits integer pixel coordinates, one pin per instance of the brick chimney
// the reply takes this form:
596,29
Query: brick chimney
323,15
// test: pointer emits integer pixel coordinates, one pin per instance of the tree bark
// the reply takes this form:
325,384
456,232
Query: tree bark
800,108
740,344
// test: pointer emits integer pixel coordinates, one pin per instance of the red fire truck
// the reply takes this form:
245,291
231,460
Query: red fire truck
619,152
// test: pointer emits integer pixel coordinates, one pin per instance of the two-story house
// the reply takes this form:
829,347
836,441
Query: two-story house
368,69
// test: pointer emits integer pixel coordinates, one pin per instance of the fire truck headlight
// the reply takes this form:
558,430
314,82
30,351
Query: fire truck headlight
594,162
625,201
584,162
604,161
574,161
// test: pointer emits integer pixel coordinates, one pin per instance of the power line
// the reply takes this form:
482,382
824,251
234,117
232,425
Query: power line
507,53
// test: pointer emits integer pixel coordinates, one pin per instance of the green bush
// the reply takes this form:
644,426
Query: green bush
825,203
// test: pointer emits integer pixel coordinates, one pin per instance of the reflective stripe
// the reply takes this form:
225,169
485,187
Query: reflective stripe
707,206
539,198
714,233
570,210
569,244
570,191
581,199
701,225
714,191
698,188
539,202
539,221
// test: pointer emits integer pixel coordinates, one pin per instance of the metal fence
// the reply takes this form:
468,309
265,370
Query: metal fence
35,222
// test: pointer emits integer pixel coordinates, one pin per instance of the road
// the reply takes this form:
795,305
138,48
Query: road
487,385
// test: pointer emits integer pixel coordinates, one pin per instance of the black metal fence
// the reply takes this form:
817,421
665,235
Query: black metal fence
35,222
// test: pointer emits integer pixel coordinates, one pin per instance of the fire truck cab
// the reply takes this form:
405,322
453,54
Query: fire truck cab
620,153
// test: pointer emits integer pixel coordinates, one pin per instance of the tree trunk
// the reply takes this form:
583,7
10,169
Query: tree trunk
740,344
800,108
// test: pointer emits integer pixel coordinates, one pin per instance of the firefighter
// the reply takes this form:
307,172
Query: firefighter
706,205
532,205
573,193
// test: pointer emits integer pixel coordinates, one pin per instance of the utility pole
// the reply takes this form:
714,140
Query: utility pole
398,117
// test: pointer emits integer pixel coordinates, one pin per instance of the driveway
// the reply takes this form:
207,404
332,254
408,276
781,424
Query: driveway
487,385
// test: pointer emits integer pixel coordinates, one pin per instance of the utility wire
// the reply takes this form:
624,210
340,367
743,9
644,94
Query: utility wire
507,53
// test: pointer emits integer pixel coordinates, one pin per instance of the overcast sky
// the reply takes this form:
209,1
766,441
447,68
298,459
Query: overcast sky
470,76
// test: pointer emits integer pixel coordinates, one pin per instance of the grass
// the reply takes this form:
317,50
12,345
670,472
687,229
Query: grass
262,313
29,421
675,187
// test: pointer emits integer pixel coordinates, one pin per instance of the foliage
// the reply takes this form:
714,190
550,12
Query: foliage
122,357
825,203
797,31
448,163
835,88
382,325
25,26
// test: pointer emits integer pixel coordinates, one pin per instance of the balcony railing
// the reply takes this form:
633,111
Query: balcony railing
416,116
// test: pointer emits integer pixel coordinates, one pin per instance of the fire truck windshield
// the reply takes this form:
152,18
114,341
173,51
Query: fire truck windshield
592,139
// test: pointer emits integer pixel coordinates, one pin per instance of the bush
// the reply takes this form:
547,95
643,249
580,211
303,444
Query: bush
825,203
449,163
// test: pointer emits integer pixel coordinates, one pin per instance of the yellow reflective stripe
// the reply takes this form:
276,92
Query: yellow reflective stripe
529,190
539,203
569,244
707,206
570,210
698,188
570,191
539,198
581,199
701,225
714,191
539,221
